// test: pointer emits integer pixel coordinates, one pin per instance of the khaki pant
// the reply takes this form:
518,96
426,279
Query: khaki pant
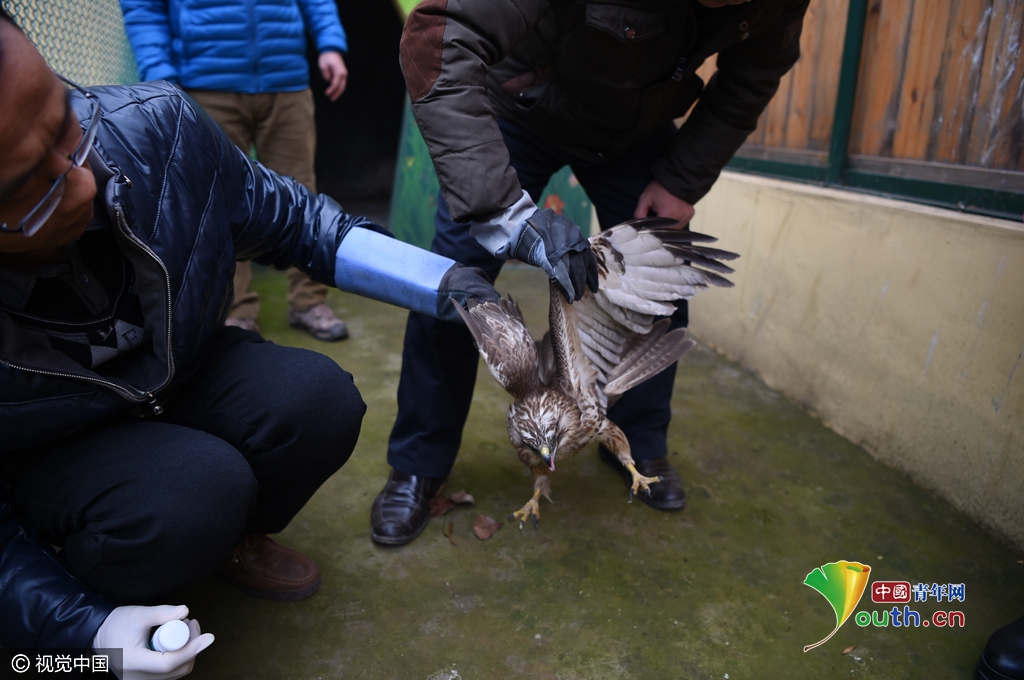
282,127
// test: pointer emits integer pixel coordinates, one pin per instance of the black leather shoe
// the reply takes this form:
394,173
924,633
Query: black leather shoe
402,509
1003,658
668,494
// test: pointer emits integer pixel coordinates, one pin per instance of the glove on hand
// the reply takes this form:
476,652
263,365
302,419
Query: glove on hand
459,284
556,245
129,628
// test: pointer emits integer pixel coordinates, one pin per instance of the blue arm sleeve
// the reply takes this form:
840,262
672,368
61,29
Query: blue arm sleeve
149,32
41,604
383,268
321,17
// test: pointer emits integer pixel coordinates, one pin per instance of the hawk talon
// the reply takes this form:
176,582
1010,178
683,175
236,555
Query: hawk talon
529,511
640,483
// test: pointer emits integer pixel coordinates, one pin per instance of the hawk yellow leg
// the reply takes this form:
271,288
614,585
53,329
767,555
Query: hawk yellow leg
615,441
531,511
640,482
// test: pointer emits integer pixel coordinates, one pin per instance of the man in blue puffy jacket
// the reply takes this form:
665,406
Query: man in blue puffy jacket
148,441
244,61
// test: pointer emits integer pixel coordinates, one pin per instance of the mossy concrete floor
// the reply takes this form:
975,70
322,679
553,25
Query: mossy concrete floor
605,588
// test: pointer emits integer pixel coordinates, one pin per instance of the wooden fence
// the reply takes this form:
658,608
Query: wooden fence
933,112
941,80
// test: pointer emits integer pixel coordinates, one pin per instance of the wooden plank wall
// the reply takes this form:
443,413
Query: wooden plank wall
942,80
800,115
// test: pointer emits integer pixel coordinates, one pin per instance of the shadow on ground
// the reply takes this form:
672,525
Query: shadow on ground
608,589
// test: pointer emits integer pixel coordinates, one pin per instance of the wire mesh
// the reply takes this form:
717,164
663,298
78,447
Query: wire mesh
81,39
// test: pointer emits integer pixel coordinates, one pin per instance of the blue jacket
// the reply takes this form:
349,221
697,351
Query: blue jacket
185,203
248,46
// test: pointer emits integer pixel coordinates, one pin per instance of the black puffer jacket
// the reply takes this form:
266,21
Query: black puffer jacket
185,204
590,78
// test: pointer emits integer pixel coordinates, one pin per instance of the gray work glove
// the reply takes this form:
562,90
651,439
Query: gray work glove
556,245
459,284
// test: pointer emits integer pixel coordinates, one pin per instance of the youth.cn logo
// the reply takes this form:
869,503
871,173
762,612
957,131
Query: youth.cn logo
843,583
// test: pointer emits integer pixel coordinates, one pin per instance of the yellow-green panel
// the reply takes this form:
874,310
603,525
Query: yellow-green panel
405,6
81,39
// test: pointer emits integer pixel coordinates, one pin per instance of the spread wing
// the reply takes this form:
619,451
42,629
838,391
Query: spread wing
620,332
504,342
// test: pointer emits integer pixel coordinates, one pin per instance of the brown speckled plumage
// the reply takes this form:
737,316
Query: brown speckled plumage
597,348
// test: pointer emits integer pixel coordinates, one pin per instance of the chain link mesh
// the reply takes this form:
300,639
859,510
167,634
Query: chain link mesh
83,40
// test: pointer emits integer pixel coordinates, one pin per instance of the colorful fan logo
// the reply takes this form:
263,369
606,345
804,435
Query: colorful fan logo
842,584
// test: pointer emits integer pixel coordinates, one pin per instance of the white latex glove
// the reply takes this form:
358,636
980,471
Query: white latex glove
129,628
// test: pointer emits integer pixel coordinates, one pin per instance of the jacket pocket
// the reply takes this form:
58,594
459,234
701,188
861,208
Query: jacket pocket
669,100
627,24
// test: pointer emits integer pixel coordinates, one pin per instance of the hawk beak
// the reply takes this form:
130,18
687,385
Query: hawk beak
545,453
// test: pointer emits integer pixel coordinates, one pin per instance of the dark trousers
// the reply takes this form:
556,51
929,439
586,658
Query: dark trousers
439,360
142,507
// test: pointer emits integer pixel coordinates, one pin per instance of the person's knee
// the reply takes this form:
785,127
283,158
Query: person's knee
173,530
330,410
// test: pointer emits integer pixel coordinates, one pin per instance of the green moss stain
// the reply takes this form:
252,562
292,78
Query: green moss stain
605,588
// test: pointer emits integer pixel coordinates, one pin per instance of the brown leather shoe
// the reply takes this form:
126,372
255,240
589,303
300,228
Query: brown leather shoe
668,494
260,567
402,510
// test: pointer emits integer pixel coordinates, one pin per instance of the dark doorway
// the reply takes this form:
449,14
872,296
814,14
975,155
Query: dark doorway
357,136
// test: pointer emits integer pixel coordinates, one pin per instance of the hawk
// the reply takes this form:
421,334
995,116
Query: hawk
595,349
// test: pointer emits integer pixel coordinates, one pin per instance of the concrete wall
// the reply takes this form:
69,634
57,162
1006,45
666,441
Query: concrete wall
901,326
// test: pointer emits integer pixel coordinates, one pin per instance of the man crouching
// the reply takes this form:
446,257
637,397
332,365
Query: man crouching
147,440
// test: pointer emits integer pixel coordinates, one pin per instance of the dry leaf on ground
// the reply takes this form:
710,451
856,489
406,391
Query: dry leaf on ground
439,505
461,498
448,533
484,527
849,649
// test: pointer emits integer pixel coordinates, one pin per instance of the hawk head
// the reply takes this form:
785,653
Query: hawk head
538,422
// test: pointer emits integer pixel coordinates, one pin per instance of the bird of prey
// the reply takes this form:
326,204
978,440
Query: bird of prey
597,348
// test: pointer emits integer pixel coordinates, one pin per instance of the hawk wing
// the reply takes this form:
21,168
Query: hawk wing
618,337
504,342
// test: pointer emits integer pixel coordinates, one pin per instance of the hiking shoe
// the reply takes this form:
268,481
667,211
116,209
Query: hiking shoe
246,324
320,321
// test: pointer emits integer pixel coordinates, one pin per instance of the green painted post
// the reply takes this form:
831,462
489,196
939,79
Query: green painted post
842,122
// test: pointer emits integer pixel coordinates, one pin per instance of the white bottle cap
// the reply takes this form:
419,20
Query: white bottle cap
170,637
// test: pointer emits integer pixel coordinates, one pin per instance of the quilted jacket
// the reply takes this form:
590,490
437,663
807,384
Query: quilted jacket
185,204
248,46
591,78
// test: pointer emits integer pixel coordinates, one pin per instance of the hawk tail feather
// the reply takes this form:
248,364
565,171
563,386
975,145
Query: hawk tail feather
658,351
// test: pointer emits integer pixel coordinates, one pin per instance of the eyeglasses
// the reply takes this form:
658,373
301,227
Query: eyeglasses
31,223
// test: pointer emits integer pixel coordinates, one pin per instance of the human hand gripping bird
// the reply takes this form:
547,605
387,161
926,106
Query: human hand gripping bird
606,343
